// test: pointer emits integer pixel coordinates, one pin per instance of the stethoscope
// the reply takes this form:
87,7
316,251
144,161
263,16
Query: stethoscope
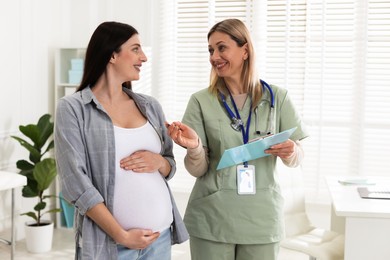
271,115
237,123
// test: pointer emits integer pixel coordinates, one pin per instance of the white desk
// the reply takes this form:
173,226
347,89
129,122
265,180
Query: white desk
365,222
9,180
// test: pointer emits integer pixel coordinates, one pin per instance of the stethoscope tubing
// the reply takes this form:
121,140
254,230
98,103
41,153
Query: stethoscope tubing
270,121
271,93
236,119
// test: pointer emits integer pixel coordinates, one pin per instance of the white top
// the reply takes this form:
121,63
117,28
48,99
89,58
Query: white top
347,201
141,200
10,180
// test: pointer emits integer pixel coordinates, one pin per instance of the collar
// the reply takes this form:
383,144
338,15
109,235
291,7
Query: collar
87,96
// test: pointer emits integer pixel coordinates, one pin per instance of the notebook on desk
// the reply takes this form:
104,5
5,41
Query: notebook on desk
374,192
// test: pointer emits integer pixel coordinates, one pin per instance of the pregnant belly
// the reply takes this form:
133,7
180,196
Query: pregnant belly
142,200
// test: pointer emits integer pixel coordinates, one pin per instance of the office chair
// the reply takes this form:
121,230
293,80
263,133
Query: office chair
301,235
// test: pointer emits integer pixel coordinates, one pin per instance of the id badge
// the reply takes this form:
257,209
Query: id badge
246,183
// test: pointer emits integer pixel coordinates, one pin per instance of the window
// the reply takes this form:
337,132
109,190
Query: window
333,56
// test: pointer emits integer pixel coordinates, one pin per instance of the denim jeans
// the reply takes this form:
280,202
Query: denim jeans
158,250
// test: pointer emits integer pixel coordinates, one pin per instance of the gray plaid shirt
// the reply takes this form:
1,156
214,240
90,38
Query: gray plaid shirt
85,155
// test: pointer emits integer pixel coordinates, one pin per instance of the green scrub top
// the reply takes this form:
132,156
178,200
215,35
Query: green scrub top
215,210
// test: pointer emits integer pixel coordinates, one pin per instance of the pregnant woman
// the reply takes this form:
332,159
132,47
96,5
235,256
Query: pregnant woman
114,156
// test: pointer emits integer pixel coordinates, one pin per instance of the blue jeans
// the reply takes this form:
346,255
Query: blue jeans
158,250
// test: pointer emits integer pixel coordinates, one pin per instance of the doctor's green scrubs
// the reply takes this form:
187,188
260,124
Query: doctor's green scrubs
215,211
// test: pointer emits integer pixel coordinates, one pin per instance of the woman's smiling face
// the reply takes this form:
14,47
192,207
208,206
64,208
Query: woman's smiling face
130,58
226,56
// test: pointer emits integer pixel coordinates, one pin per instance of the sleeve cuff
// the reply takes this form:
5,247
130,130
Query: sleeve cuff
196,152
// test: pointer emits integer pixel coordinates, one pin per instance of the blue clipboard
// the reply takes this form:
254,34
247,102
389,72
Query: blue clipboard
252,150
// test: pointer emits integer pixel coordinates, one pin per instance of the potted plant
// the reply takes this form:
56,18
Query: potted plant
40,173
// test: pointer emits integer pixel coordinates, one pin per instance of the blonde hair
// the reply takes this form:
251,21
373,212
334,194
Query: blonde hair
238,32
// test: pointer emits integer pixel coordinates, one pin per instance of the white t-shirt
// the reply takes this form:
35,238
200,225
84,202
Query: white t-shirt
141,200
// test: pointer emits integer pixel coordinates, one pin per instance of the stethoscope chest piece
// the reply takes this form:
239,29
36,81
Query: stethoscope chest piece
236,124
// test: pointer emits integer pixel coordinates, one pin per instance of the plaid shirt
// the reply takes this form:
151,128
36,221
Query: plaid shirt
85,155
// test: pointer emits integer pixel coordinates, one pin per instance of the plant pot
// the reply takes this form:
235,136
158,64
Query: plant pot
39,238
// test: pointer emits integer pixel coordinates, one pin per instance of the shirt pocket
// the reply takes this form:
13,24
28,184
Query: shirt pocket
221,136
214,136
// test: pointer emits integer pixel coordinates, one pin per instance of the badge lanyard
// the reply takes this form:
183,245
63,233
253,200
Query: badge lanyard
236,119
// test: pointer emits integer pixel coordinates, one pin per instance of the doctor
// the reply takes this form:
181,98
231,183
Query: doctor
224,221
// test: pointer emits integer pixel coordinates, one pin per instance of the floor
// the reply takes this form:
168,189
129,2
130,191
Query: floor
63,249
63,245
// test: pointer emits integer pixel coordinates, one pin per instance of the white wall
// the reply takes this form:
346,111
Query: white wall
30,32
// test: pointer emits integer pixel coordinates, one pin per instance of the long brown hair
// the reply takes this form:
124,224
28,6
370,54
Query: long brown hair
107,39
239,33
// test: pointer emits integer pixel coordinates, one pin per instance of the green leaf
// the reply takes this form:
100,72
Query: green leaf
49,147
35,154
24,166
31,131
31,189
45,129
40,206
49,196
30,214
45,172
53,211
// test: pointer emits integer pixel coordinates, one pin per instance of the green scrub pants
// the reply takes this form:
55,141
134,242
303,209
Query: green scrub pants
202,249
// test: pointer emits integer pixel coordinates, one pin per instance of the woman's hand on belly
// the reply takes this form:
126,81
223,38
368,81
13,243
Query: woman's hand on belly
132,238
145,162
138,238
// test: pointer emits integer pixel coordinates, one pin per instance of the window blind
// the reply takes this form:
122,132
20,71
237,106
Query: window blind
342,107
334,58
375,81
189,67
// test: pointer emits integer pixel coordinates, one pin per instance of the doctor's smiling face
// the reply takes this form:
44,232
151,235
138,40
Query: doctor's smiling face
226,56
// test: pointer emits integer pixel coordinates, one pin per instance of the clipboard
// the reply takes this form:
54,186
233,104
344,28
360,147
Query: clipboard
252,150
